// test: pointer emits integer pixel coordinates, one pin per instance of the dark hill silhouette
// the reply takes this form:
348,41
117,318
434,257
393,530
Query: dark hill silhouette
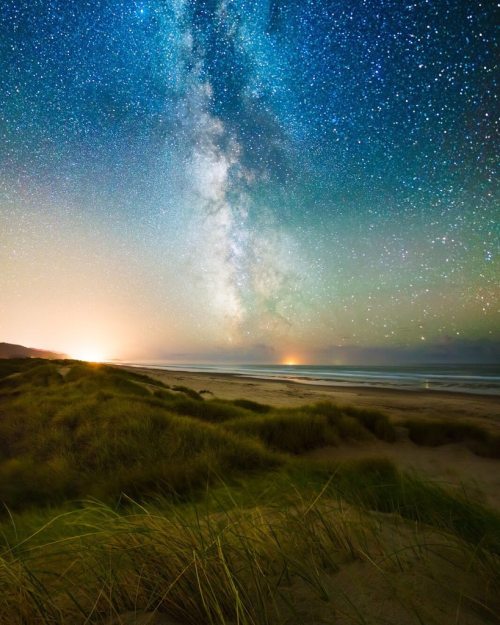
9,350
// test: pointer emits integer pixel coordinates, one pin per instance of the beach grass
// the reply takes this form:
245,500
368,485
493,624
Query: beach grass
436,432
126,501
306,554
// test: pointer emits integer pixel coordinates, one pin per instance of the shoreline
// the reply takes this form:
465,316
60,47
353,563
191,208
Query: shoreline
396,402
451,464
308,381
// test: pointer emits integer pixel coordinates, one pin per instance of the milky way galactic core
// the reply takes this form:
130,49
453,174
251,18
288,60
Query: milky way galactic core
250,180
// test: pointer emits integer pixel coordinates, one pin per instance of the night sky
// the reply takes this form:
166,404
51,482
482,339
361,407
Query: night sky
250,181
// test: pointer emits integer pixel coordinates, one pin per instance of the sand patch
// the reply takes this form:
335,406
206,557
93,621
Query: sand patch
63,371
447,465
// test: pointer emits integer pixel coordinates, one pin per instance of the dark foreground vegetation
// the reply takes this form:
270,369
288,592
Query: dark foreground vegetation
126,501
436,433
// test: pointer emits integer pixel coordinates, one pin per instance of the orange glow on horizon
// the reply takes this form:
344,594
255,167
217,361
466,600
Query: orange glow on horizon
89,354
291,361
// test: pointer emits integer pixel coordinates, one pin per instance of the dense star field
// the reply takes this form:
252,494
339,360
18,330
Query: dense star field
249,180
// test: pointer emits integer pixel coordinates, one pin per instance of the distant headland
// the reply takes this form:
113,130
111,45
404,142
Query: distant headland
10,350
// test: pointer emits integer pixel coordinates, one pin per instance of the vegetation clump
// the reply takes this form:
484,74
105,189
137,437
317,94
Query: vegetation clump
187,391
309,427
440,432
211,515
254,406
100,431
301,555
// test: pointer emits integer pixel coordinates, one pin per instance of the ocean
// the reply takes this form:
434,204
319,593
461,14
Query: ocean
477,379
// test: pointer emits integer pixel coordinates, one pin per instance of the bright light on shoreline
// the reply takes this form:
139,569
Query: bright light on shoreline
89,354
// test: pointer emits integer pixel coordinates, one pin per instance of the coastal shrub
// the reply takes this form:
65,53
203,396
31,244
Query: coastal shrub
212,410
43,375
164,394
25,482
331,411
99,433
440,432
189,392
350,429
293,432
254,406
186,456
80,371
92,377
354,423
11,366
375,421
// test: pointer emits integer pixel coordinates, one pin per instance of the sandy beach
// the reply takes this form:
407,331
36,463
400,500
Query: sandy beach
451,464
398,404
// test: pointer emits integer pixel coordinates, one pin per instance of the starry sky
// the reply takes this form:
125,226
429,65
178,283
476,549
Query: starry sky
250,180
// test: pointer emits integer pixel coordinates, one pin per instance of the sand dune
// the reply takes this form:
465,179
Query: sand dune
451,464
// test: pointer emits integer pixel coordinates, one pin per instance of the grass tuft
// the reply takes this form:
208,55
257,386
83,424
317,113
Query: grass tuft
440,432
211,517
100,432
253,406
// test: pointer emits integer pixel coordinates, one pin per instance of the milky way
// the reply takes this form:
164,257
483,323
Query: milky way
245,180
